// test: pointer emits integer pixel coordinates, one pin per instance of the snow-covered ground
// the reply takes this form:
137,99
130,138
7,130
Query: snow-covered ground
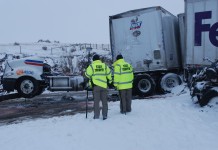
173,122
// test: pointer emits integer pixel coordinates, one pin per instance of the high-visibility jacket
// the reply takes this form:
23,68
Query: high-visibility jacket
123,75
99,74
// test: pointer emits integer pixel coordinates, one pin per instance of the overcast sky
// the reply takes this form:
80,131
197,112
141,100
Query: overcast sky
67,21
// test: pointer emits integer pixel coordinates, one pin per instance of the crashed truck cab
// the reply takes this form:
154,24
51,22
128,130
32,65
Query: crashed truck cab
30,76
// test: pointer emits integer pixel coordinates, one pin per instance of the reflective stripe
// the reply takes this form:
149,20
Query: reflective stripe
127,72
98,75
122,82
123,72
101,80
120,67
89,76
92,68
117,73
108,73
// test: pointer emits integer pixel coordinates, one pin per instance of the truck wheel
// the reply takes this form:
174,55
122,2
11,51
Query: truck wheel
207,96
27,87
169,81
144,85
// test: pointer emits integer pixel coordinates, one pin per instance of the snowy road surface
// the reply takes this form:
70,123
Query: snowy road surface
170,123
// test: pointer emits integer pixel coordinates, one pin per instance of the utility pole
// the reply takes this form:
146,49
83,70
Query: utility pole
20,49
88,49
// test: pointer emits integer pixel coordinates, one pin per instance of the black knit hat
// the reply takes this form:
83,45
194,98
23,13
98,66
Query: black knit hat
96,57
119,57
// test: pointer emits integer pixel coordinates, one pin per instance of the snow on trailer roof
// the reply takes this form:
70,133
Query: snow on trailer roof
139,11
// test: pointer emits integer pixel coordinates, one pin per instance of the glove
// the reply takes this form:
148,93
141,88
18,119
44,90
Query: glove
88,88
111,85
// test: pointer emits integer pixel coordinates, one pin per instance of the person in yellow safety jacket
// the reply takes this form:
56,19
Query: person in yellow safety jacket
99,75
123,81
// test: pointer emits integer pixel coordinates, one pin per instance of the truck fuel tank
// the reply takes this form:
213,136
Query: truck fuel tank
66,83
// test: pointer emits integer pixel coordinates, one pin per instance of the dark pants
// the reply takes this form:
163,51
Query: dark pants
100,94
125,100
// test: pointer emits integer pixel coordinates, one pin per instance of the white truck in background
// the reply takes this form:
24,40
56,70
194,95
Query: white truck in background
31,75
200,33
148,39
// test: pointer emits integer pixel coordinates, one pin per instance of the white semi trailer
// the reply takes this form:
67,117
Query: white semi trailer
30,76
148,39
200,25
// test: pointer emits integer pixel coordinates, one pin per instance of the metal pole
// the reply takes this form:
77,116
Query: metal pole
87,98
88,49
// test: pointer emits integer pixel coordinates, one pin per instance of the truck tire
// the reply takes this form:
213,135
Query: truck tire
207,96
144,85
169,81
27,87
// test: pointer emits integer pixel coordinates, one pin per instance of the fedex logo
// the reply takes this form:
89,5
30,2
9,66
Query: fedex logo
200,27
